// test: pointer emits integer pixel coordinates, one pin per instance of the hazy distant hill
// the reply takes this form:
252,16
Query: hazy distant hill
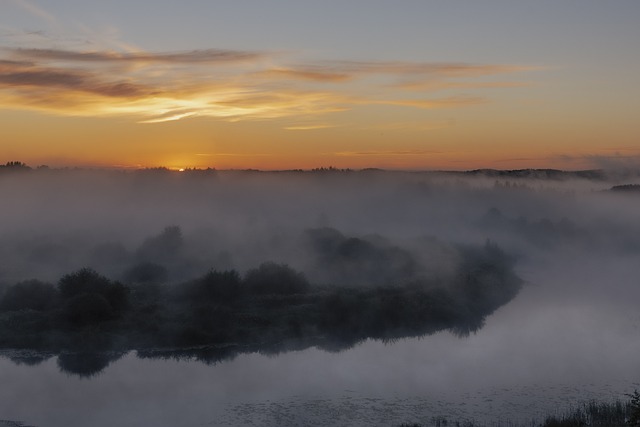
626,188
594,174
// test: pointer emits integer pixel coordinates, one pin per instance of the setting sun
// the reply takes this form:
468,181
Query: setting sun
341,213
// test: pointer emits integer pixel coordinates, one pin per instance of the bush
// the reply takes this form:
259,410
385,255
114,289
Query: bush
88,309
29,295
216,286
272,278
634,417
87,281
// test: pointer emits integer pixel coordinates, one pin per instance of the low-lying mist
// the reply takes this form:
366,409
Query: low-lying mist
365,288
211,264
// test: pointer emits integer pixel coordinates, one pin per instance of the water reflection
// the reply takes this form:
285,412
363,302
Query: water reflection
557,344
571,334
89,321
86,364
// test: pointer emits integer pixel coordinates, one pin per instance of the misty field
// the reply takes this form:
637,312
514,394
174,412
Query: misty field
486,296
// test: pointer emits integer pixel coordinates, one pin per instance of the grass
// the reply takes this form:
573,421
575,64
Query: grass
620,413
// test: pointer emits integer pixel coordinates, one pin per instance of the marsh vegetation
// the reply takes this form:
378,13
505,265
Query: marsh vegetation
269,308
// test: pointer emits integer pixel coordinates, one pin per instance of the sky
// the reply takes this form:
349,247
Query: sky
303,84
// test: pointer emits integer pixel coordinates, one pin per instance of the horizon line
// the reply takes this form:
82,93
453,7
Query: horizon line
24,166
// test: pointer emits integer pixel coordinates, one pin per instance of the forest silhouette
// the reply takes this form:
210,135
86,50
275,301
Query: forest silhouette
372,290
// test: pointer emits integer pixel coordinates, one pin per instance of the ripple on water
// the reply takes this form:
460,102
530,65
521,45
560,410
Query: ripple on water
524,406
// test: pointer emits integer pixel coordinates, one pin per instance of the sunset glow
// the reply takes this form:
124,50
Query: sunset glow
458,88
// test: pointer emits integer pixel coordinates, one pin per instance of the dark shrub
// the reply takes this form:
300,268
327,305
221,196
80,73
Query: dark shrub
87,281
342,311
88,309
353,260
30,294
83,281
272,278
634,406
216,286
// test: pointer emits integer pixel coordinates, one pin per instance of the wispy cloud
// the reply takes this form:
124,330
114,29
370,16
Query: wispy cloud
154,87
36,11
437,85
449,102
307,74
418,75
26,77
209,56
234,155
446,69
422,125
387,153
309,127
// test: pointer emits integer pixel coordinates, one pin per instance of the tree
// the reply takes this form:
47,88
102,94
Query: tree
30,295
634,417
221,286
15,166
272,278
88,282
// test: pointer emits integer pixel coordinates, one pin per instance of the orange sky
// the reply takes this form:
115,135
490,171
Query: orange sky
500,101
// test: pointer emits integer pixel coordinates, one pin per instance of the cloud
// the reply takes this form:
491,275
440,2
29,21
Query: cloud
234,154
422,125
155,87
433,85
387,153
36,11
449,102
309,127
286,103
8,64
208,56
24,75
433,72
41,78
308,74
398,68
171,117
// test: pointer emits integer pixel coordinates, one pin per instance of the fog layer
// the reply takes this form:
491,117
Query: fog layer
336,239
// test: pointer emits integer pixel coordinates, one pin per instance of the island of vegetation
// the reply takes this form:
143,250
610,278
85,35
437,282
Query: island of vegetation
89,320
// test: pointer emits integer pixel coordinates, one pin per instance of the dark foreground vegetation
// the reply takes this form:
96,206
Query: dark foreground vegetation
626,188
89,320
621,413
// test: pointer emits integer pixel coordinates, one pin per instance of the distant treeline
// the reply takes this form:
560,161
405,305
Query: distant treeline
553,174
634,188
550,174
89,319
